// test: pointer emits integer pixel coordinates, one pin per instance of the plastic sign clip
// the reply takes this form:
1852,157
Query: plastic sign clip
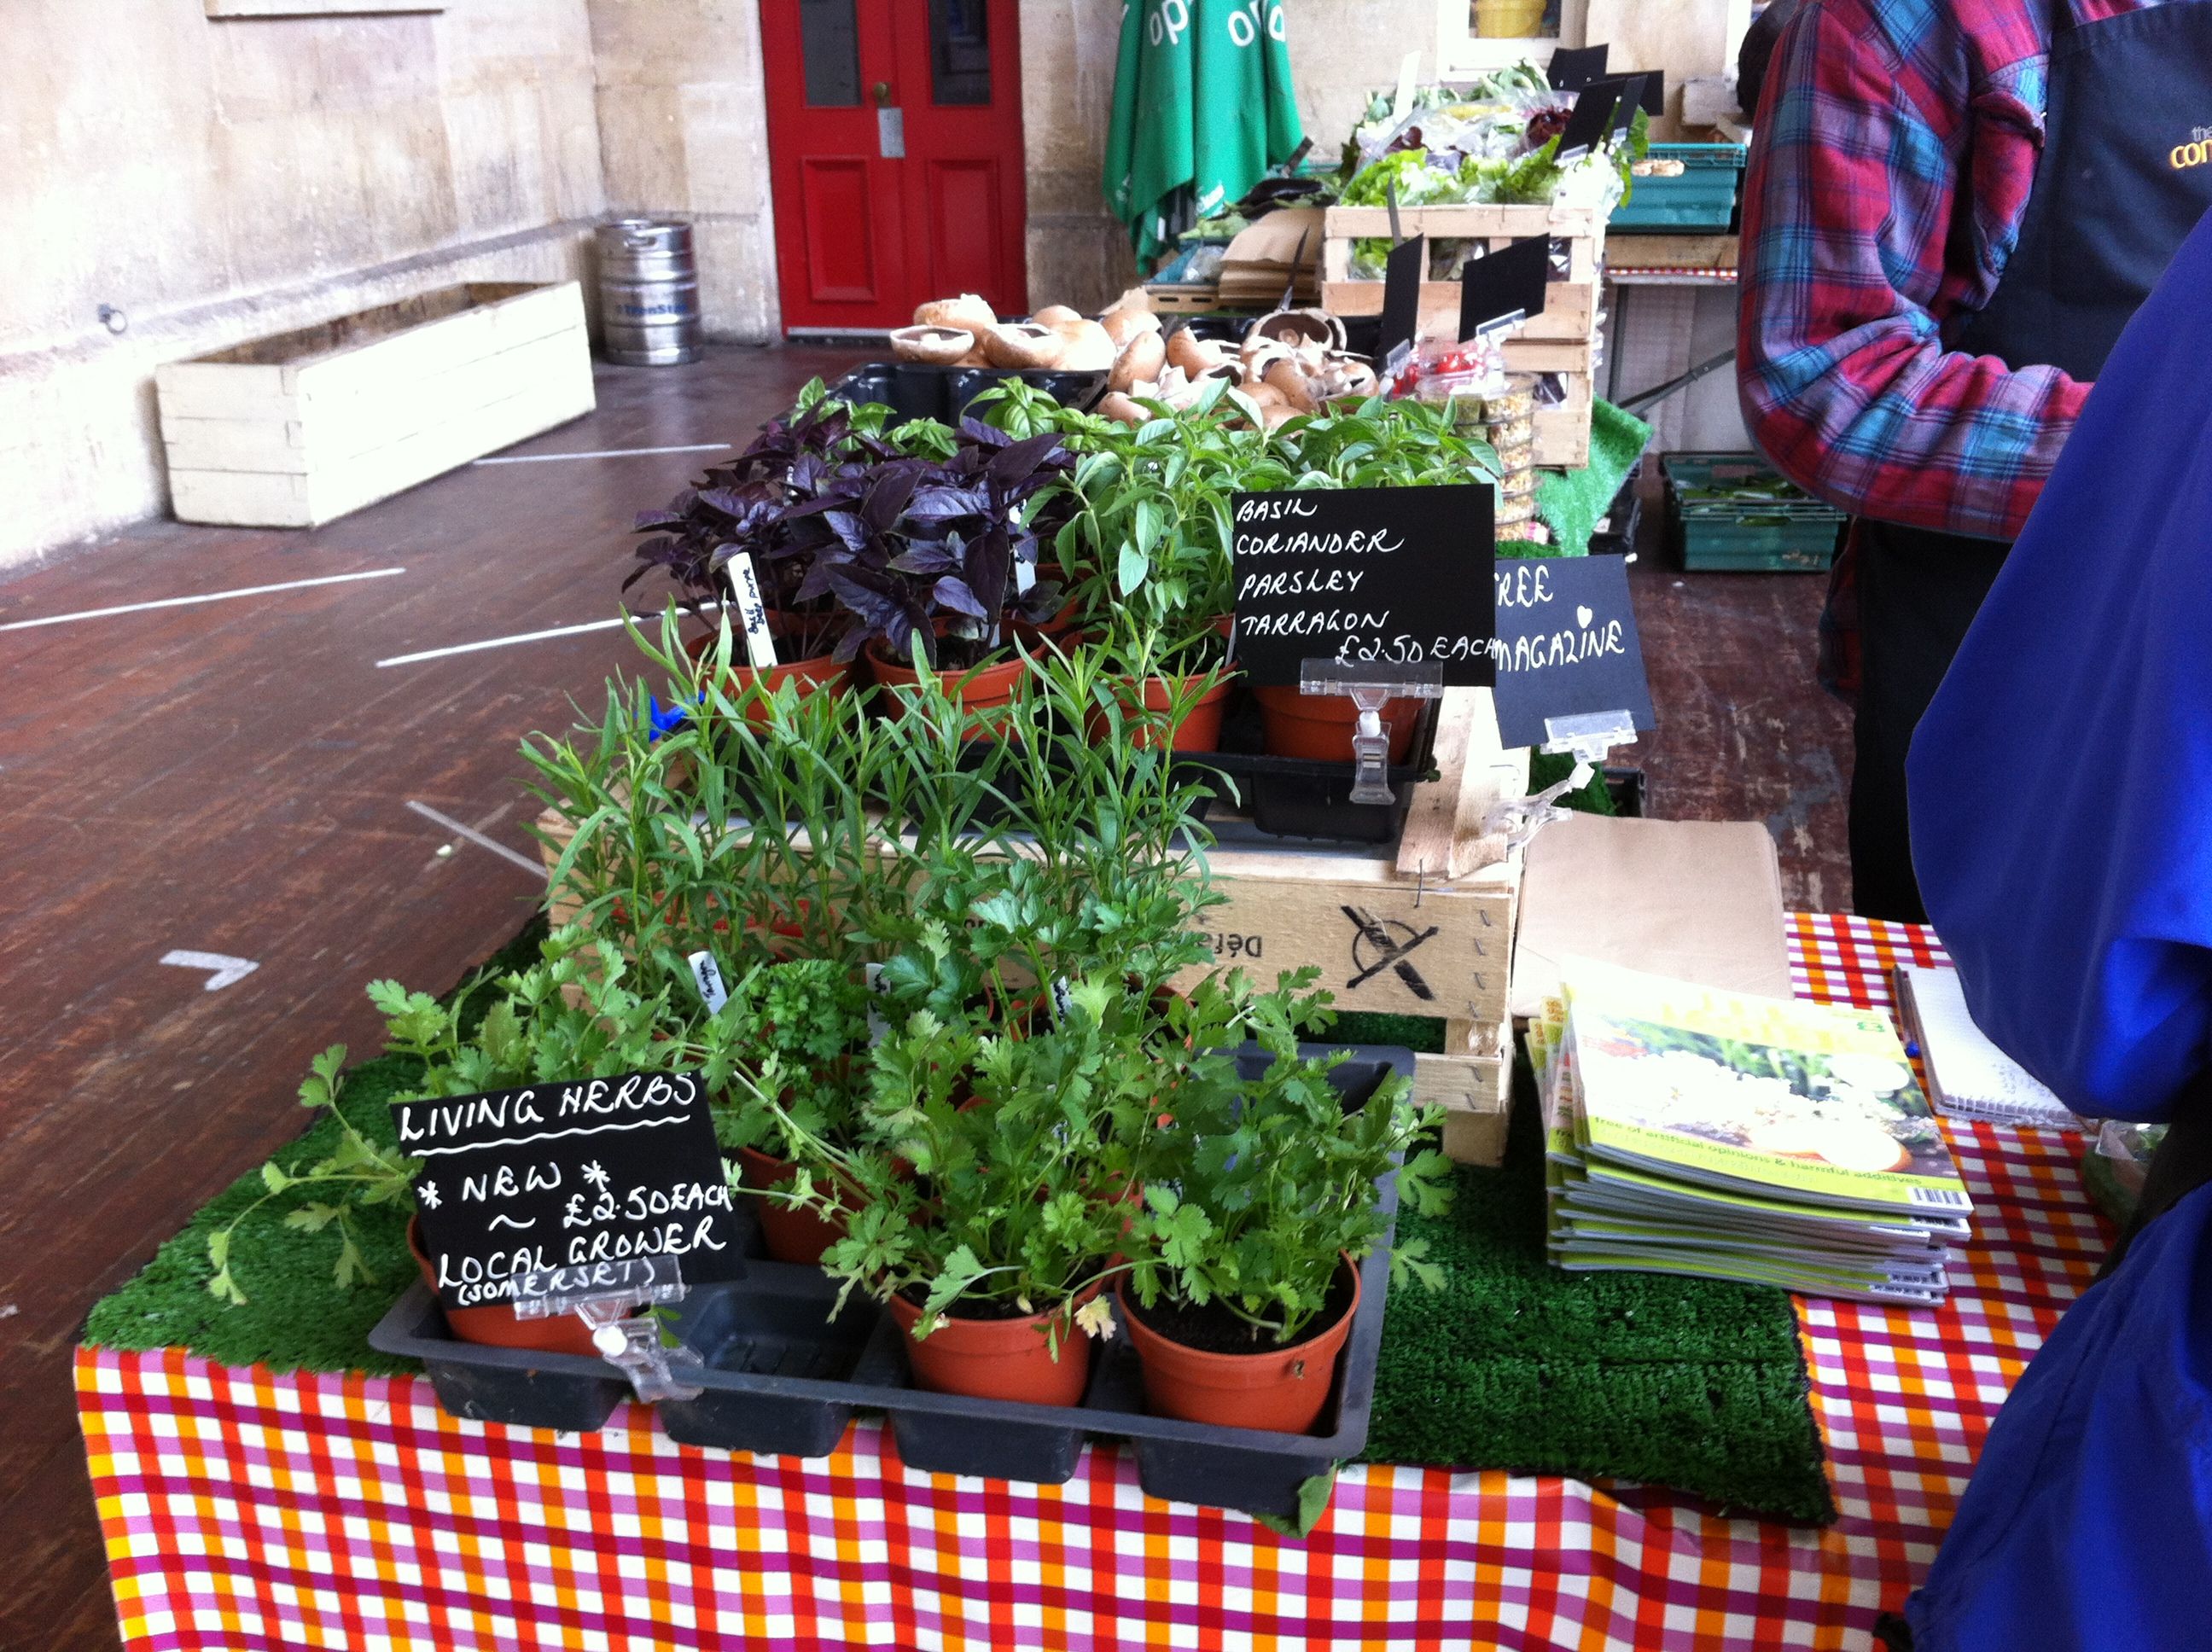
604,1295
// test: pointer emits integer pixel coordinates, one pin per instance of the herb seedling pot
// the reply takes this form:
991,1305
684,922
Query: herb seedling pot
977,688
783,1375
999,1358
1319,726
495,1325
1279,1388
820,674
791,1234
1200,728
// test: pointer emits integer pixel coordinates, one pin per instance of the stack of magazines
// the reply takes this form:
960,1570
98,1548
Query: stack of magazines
1690,1130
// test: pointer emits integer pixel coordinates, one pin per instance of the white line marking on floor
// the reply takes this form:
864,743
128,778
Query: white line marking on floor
525,636
476,837
211,595
605,453
224,969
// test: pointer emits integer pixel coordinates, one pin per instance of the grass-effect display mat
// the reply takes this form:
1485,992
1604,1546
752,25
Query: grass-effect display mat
1686,1383
1694,1384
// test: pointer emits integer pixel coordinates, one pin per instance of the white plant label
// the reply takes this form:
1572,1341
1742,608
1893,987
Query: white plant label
878,1029
1025,575
1409,72
760,647
1063,999
712,993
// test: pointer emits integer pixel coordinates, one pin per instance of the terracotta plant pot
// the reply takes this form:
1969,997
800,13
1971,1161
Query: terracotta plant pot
818,675
1319,726
791,1234
978,687
1200,729
1279,1388
495,1325
1057,627
997,1360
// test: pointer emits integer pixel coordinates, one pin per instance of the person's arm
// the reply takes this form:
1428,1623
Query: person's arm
1854,229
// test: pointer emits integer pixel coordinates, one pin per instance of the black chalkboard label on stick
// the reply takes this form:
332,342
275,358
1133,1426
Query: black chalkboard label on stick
1572,68
1567,645
1394,577
1589,120
559,1175
1401,296
1624,110
1505,286
1651,96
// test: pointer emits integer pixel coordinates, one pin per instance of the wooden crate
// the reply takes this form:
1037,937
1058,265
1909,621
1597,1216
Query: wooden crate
297,429
1422,928
1685,253
1425,928
1184,298
1563,339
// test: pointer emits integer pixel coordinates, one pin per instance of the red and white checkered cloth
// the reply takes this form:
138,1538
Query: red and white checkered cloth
245,1511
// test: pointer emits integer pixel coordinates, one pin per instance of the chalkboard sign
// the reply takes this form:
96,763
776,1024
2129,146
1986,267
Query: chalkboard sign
1508,284
1567,645
1589,120
1401,298
1650,94
561,1176
1572,68
1395,577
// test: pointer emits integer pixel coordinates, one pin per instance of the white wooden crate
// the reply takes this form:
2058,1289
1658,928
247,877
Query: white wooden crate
1560,339
298,429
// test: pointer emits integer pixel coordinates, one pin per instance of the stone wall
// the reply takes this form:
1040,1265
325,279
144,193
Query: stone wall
215,181
683,130
1079,253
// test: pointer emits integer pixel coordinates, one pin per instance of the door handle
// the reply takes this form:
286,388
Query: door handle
881,91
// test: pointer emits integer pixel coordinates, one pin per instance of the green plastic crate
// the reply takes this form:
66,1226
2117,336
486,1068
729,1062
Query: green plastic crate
1780,530
1701,201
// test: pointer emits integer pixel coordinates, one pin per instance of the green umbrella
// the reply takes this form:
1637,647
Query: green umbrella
1202,109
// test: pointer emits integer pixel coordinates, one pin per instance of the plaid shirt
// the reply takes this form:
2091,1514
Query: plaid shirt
1895,151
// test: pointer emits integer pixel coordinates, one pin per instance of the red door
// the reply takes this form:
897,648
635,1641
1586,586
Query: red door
895,155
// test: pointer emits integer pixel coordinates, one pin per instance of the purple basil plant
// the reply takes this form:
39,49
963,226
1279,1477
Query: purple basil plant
854,538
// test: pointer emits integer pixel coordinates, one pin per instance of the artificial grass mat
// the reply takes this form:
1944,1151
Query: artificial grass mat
1572,502
1694,1384
295,1316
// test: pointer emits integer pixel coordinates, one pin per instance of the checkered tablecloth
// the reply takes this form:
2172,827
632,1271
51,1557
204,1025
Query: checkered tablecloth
247,1511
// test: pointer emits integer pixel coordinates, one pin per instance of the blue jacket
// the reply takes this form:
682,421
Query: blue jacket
2061,784
2087,1525
2062,830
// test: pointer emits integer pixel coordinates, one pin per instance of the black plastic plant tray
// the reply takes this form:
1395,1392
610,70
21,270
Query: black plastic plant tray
1298,797
917,390
1630,791
782,1378
568,1392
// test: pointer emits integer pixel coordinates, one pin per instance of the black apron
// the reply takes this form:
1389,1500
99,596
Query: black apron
2123,178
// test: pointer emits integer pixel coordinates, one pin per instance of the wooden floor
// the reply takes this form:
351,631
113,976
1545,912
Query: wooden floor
1745,734
235,778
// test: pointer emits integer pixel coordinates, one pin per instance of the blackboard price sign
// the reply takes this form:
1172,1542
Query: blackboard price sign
1567,645
1572,68
566,1175
1398,578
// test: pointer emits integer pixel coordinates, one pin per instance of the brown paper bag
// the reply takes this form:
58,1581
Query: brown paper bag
1698,900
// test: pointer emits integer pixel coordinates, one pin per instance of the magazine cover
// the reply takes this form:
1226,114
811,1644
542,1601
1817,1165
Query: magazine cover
1810,1102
